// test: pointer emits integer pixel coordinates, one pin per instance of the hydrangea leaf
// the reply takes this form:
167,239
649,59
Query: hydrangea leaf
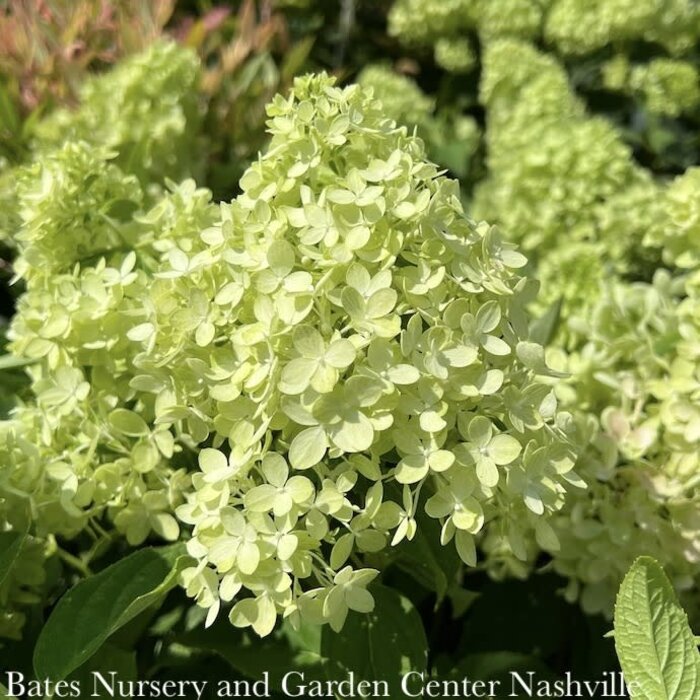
656,647
98,606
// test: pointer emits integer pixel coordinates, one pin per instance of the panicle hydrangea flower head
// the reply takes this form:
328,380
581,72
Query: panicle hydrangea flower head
336,349
424,22
84,450
455,55
678,232
571,27
663,86
145,112
420,22
550,162
73,323
350,345
560,181
68,204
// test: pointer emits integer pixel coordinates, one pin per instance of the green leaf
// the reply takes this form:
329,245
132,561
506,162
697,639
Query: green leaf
295,58
10,549
109,659
382,645
98,606
654,643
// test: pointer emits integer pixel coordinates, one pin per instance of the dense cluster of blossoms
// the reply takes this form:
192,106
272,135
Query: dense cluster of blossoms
578,26
631,356
364,353
555,166
677,231
455,55
146,109
417,22
288,377
552,167
77,456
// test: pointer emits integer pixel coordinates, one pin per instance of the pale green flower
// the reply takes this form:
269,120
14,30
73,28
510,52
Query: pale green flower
485,449
348,592
281,493
667,86
318,365
420,456
454,500
259,613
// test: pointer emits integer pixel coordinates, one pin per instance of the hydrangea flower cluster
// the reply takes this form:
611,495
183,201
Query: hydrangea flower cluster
534,120
677,232
417,22
146,109
335,349
632,358
363,353
72,323
455,55
580,26
82,454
